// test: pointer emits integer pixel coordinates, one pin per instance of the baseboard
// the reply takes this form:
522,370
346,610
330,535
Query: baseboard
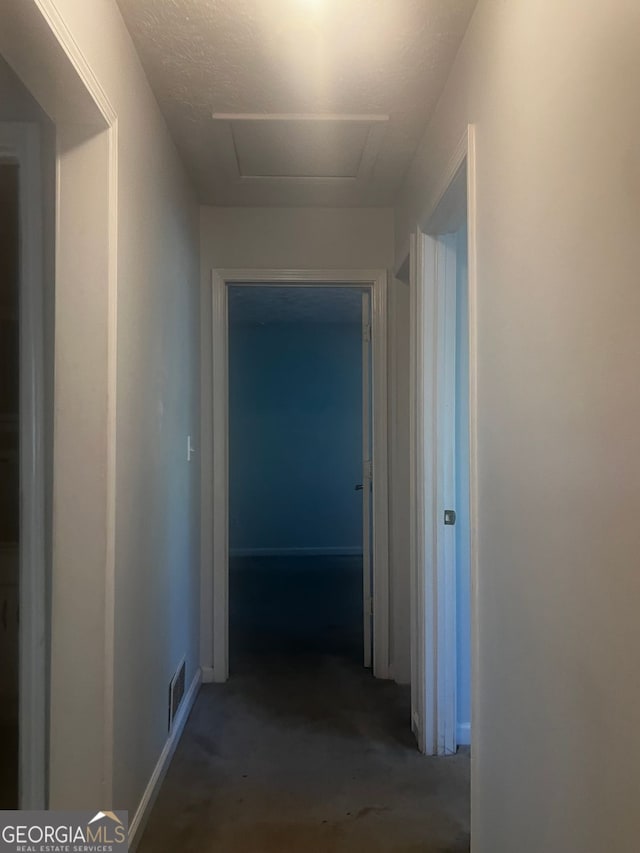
153,786
207,674
463,734
331,551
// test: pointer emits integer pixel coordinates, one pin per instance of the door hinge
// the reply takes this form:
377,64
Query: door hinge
368,470
370,606
366,333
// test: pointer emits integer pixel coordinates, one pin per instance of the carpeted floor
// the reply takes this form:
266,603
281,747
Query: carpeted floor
303,751
296,605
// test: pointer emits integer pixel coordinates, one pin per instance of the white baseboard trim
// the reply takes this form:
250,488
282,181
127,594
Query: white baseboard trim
329,551
207,674
463,734
153,786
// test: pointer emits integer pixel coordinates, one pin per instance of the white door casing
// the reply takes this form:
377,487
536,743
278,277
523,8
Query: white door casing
432,438
215,481
86,144
367,478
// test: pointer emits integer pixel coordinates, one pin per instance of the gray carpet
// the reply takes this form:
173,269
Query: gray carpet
296,606
307,754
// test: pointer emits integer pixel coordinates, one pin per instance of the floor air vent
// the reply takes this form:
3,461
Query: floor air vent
176,692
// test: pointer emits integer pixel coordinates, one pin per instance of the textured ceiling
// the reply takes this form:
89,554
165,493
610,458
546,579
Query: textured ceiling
265,304
296,148
387,59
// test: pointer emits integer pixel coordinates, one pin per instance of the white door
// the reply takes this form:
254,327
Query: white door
367,482
446,493
433,616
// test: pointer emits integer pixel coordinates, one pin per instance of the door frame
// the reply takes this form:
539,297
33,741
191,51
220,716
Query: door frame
367,592
433,582
215,445
20,145
65,85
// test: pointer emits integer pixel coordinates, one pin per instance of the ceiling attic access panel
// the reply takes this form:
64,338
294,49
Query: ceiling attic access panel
302,146
319,58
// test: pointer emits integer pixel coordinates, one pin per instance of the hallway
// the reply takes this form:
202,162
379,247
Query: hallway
473,168
307,754
302,750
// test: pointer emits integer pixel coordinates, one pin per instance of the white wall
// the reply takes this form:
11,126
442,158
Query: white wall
296,238
157,492
295,409
552,88
312,238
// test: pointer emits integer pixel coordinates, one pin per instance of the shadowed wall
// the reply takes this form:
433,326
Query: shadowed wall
295,438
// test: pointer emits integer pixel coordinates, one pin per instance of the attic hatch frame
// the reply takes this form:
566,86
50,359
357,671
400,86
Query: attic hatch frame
214,613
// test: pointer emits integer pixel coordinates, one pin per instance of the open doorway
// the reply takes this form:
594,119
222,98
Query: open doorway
25,171
299,444
216,551
57,123
9,482
443,447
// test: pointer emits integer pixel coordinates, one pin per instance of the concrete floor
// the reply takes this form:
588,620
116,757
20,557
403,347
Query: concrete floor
302,751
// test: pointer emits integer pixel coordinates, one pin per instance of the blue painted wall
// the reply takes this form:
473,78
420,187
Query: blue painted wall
462,484
295,427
